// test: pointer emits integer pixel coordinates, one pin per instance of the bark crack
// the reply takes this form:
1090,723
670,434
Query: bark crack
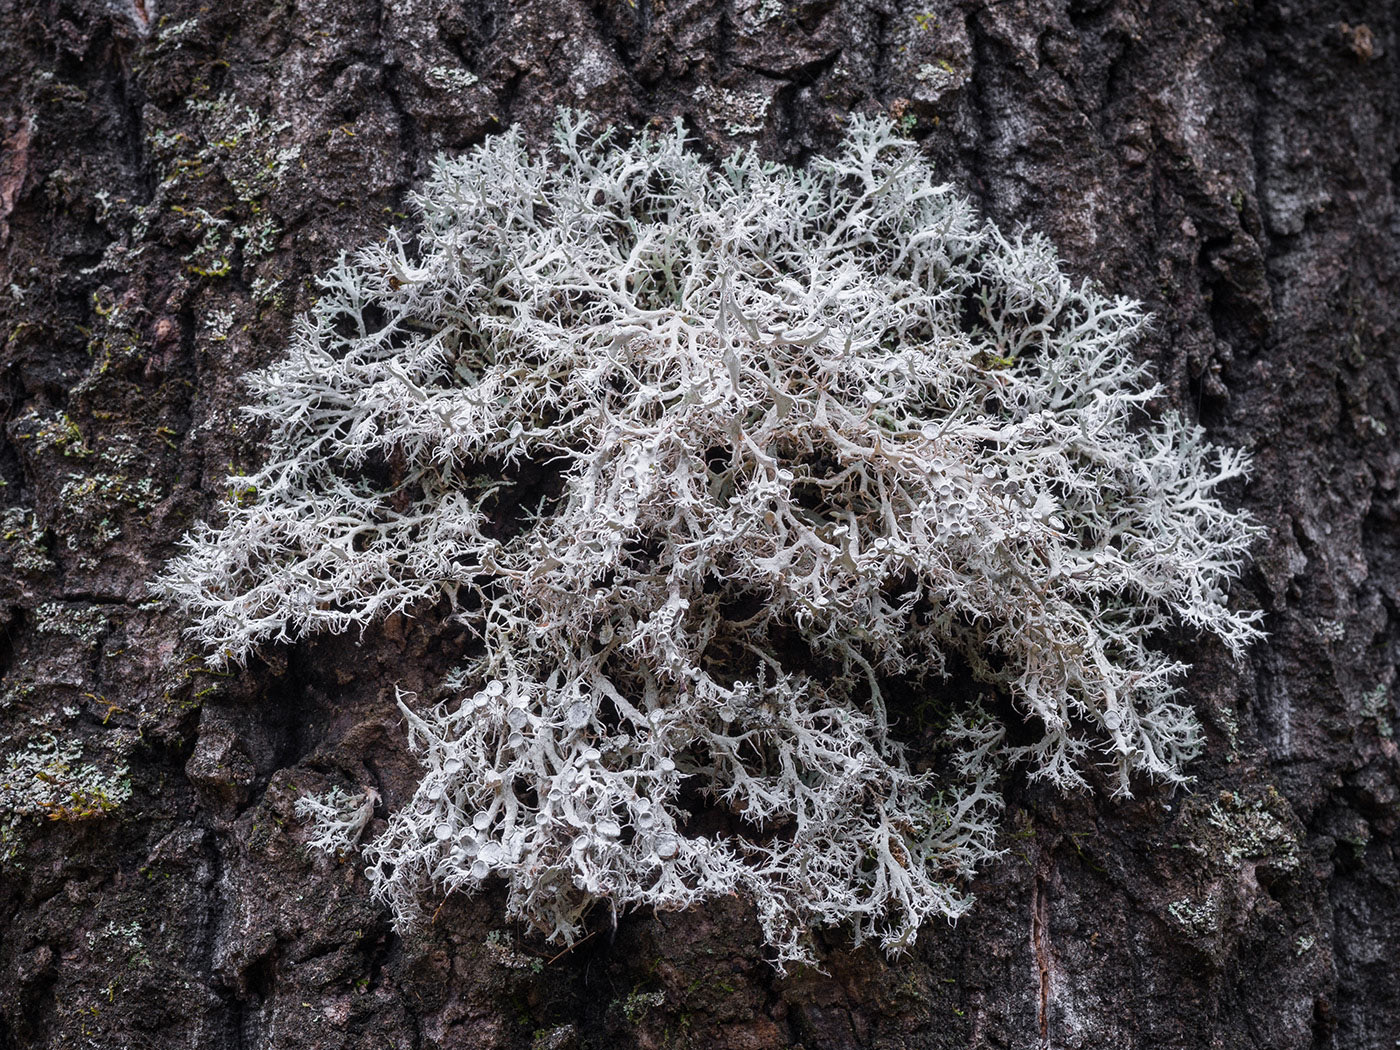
1040,942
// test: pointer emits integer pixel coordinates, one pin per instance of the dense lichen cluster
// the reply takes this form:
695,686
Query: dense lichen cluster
709,457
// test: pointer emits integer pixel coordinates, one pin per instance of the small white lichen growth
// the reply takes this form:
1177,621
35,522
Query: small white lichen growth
337,819
712,460
49,780
85,625
453,77
22,540
746,111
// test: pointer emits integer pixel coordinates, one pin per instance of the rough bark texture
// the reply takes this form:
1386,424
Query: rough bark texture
1232,163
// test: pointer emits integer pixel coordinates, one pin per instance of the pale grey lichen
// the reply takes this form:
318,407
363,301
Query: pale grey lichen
744,112
337,819
47,779
1201,918
814,432
22,539
453,78
86,625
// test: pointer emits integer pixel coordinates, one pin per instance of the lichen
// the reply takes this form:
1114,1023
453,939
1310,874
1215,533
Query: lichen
47,779
337,819
1376,706
454,78
710,459
23,541
84,624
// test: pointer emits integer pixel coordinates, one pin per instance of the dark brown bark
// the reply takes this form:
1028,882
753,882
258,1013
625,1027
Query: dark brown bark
1232,163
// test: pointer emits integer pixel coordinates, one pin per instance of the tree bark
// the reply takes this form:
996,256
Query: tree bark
172,181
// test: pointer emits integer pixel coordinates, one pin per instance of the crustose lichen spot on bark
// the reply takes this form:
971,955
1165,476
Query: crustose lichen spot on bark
813,432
